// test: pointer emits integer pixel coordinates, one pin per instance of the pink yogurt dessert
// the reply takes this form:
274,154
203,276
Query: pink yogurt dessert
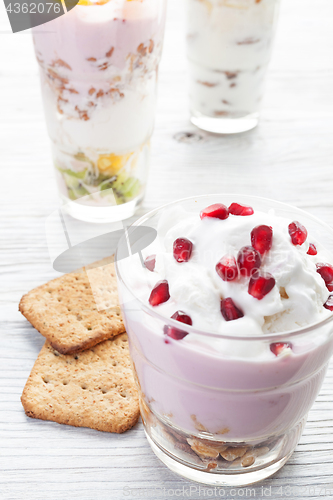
98,67
230,328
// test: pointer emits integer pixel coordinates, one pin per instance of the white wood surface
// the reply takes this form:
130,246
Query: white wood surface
288,157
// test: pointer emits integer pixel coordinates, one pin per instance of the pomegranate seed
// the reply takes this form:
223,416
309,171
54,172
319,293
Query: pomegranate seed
262,238
175,333
249,261
329,287
329,303
227,268
182,317
150,262
297,232
326,272
237,209
182,249
278,347
229,310
217,211
312,249
260,285
160,293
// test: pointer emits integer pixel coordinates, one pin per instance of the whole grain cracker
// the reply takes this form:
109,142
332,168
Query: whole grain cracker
64,310
94,388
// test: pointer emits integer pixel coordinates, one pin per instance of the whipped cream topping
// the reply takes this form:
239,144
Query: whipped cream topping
195,287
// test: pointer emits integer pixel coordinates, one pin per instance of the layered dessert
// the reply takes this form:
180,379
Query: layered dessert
98,66
230,326
229,44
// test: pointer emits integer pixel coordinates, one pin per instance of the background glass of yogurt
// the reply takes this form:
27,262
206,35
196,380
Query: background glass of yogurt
241,401
229,44
98,66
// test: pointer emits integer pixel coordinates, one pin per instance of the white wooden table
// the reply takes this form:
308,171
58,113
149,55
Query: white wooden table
288,157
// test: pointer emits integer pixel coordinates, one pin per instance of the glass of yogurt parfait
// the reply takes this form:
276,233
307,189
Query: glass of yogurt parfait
229,43
229,317
98,66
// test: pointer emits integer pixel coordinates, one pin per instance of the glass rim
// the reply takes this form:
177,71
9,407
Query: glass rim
278,336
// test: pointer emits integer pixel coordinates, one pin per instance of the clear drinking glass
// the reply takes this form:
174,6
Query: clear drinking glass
98,66
229,44
199,405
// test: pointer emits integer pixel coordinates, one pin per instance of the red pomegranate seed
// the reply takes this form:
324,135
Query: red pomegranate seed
278,347
160,293
229,310
249,261
182,249
329,287
150,262
325,271
227,268
182,317
237,209
262,238
329,303
175,333
217,211
297,232
260,285
312,249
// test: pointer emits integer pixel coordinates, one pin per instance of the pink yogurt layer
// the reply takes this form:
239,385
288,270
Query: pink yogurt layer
245,400
74,39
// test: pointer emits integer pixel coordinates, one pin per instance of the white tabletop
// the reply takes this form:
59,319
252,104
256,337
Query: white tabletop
289,157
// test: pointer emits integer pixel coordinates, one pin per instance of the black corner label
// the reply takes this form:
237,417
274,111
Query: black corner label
25,14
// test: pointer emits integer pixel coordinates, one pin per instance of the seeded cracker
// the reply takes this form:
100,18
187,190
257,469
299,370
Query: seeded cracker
65,311
94,388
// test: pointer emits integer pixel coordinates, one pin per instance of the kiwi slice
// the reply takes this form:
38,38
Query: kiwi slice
124,188
75,187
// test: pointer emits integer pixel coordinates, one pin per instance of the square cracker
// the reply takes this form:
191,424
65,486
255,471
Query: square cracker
64,310
94,388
